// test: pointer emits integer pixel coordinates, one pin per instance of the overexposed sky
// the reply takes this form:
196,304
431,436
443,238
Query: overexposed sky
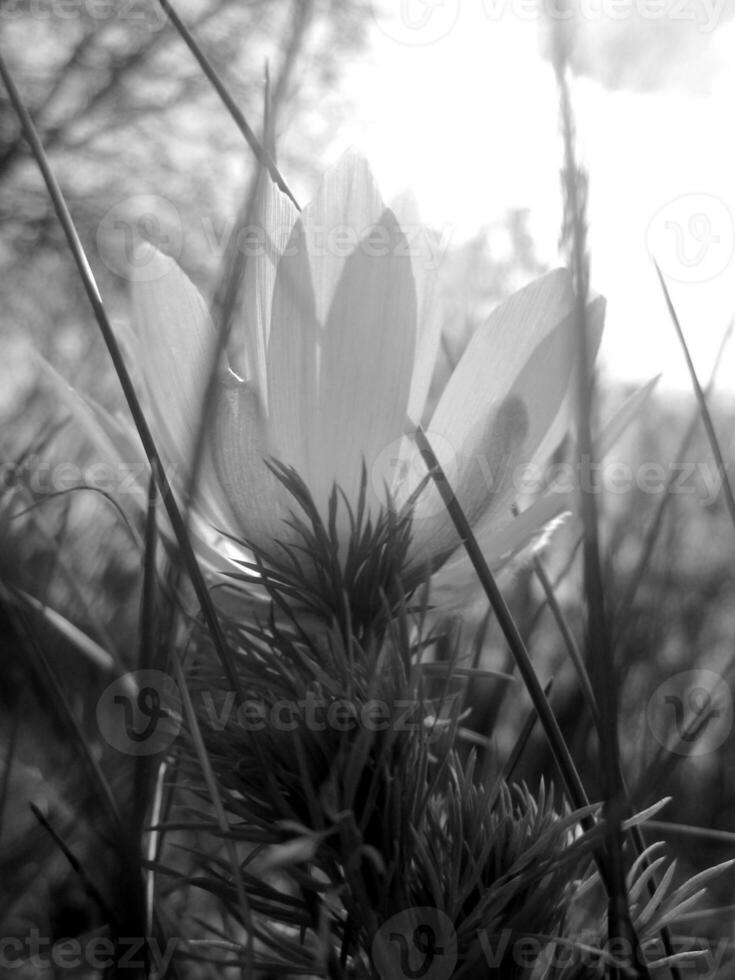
457,103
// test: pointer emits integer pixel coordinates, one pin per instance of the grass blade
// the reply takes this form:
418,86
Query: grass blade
574,183
89,886
702,401
8,766
95,299
224,826
560,750
570,643
261,155
635,831
625,606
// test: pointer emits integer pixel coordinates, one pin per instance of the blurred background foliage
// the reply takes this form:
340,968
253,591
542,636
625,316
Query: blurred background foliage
133,128
136,133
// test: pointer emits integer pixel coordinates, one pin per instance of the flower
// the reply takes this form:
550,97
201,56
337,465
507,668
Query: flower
340,330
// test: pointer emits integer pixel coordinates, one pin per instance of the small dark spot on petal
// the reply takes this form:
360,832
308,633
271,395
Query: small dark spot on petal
509,428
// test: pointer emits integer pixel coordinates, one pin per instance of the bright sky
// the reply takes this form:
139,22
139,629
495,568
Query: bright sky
468,120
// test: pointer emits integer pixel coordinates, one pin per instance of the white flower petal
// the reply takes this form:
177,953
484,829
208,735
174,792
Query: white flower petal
124,467
115,439
500,423
292,359
424,247
481,476
239,449
498,351
367,360
565,417
177,338
457,578
345,208
272,224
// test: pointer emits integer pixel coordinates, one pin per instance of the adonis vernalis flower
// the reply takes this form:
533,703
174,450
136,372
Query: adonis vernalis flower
340,328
